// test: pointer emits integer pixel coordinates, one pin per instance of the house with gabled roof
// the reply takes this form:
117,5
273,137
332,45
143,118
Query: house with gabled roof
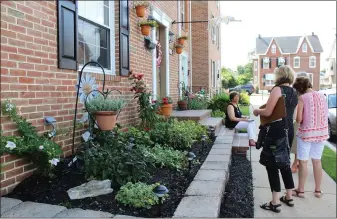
302,53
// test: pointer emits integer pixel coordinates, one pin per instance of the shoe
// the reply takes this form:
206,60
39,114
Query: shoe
252,143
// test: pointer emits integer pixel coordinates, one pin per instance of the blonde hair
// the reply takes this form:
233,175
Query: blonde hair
284,74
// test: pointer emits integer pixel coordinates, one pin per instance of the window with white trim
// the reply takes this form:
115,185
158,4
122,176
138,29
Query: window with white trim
273,48
269,80
312,62
281,61
255,65
266,61
297,62
304,47
96,34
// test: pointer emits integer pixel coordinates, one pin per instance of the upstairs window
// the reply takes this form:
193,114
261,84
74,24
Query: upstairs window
304,47
273,49
312,62
297,62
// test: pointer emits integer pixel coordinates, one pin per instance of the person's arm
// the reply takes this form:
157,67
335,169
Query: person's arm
299,117
271,103
231,114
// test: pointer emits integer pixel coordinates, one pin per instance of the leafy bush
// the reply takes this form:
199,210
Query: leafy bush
198,102
219,102
218,113
168,157
99,103
138,195
244,98
118,160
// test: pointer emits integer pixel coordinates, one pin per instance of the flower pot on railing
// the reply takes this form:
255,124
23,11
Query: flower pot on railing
166,109
140,7
181,40
179,48
106,120
146,26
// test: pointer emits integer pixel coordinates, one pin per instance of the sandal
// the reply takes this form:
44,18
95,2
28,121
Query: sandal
271,207
298,193
318,194
287,201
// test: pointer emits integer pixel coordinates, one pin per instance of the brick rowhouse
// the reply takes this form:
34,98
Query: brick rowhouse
31,78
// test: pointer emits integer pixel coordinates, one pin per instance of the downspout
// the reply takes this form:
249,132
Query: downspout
190,42
179,56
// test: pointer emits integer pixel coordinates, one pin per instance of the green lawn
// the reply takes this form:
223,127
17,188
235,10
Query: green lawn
244,110
329,162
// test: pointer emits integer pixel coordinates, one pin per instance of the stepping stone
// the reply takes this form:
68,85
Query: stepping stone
215,151
218,158
8,203
205,188
79,213
222,146
211,165
211,175
198,206
31,209
224,140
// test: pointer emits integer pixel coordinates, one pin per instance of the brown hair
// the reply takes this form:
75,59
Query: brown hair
232,95
302,84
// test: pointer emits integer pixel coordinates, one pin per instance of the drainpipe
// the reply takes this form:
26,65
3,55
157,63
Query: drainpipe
190,42
179,56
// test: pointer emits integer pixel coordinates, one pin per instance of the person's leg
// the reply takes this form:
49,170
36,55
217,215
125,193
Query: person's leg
316,152
288,182
275,185
251,130
245,125
303,150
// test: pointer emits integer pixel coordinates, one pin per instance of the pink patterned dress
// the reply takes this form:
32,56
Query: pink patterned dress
314,126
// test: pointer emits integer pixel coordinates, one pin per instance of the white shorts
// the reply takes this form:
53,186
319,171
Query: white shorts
306,150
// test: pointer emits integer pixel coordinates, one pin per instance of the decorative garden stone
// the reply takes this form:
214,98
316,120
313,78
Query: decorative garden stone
90,189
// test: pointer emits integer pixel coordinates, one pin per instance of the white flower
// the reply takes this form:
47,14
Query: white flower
86,136
10,145
41,147
54,161
88,84
9,107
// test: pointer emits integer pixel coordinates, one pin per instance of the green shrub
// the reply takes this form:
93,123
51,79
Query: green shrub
218,113
168,157
99,103
138,195
219,102
244,98
199,102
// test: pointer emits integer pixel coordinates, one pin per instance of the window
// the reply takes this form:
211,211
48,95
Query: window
297,62
255,65
213,73
95,28
273,48
269,80
266,62
218,37
332,101
182,12
312,62
281,61
304,47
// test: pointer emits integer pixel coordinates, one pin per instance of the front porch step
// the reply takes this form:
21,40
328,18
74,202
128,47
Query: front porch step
195,115
212,122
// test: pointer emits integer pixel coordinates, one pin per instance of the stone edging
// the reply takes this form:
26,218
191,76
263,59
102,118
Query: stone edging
204,195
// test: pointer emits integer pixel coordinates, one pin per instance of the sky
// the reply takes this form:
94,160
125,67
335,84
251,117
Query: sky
274,18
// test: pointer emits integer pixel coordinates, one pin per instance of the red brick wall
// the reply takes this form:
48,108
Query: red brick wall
31,79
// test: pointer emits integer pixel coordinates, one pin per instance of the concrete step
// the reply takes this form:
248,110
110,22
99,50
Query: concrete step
212,122
195,115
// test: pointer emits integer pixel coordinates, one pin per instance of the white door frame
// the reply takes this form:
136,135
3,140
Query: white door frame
184,55
165,21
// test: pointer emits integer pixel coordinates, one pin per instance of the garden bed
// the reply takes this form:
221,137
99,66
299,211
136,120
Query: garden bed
54,191
238,201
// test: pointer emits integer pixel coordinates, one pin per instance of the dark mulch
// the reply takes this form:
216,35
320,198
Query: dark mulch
238,201
54,191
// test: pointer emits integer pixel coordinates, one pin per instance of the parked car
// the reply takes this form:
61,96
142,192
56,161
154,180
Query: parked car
330,95
249,88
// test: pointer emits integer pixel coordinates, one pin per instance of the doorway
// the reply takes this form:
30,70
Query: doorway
184,68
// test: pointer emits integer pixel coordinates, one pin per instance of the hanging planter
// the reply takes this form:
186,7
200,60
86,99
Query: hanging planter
181,40
141,7
146,26
179,48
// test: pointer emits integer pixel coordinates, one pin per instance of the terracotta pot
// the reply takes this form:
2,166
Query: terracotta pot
106,120
181,41
179,50
140,11
182,105
165,110
146,29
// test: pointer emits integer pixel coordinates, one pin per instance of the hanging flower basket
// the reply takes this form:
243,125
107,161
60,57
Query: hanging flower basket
181,40
146,26
179,48
140,7
106,120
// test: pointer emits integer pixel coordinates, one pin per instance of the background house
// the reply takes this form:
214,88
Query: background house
302,53
44,45
329,78
206,41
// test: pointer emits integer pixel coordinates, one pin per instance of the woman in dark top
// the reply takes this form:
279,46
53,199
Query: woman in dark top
284,78
235,120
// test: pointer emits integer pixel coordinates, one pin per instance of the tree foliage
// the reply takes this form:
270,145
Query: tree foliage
228,80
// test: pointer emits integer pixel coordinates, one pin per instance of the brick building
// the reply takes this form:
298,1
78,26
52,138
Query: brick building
206,46
302,53
44,44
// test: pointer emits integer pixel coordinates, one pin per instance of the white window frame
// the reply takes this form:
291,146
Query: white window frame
182,13
312,58
273,49
281,60
299,62
269,83
255,65
266,63
111,28
305,47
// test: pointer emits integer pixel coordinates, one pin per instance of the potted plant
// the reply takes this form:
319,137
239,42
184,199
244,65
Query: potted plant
140,7
179,48
181,39
105,111
257,89
146,26
165,108
182,103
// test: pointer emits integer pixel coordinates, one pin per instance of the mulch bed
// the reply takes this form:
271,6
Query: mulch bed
54,191
238,200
